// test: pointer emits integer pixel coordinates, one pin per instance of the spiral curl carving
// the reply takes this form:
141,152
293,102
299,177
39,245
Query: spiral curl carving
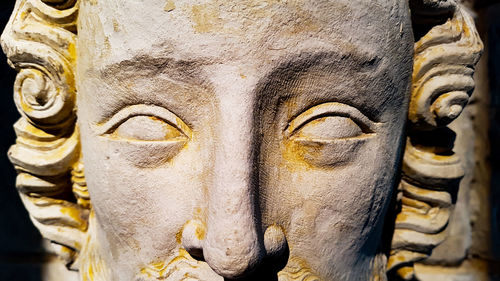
442,75
442,83
39,41
40,100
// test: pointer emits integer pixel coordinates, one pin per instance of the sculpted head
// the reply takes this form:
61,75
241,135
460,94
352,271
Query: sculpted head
245,139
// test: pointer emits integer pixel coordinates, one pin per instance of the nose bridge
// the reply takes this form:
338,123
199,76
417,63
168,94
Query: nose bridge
233,244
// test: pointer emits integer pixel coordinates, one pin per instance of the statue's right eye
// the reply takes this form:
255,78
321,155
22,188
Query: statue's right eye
145,135
147,128
146,123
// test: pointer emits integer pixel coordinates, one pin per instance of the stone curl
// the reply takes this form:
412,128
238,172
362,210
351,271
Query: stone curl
442,74
442,83
39,42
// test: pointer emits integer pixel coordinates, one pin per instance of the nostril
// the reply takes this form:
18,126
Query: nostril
276,256
192,237
275,242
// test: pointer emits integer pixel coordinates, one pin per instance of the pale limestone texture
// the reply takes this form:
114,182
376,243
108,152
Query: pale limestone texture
257,140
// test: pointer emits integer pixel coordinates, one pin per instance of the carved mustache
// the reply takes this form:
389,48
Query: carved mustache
181,267
184,267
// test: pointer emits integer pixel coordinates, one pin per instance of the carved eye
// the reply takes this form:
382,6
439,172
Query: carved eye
329,121
145,135
145,123
329,127
147,128
328,134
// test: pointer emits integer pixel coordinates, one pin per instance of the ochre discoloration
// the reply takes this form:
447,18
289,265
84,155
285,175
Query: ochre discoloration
178,236
163,270
75,215
169,6
116,25
200,233
297,269
210,17
206,18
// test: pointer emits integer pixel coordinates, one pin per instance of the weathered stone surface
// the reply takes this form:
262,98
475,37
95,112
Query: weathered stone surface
249,139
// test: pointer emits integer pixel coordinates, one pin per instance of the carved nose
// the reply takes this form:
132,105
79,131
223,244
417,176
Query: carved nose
233,246
231,239
193,237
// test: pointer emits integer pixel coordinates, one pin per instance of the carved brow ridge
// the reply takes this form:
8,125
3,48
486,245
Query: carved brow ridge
146,65
351,60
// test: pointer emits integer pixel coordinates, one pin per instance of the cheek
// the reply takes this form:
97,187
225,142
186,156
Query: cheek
332,211
145,207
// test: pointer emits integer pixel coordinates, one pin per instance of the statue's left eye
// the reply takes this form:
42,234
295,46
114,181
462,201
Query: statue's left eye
147,128
329,127
328,134
330,121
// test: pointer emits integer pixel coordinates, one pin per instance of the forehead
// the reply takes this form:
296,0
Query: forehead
221,30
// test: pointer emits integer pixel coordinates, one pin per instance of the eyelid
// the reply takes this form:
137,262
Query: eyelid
143,110
330,109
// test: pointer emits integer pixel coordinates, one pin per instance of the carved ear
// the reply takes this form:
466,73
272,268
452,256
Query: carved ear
39,41
446,52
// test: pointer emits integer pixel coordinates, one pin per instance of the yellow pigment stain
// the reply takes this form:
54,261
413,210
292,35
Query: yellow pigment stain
90,272
169,6
440,157
405,272
200,233
72,50
402,217
178,236
160,270
206,18
23,15
302,24
242,76
158,265
397,258
36,133
116,26
170,131
294,154
72,213
198,213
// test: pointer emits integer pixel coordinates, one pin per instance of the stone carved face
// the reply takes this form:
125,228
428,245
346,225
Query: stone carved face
238,140
240,130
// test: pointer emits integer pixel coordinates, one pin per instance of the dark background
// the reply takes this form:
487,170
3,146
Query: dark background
21,252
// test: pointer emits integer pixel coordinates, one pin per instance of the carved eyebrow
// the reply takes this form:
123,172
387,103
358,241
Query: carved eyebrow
355,59
142,110
327,109
146,65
